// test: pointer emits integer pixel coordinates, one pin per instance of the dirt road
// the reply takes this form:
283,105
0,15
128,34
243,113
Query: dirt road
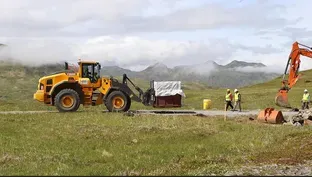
173,112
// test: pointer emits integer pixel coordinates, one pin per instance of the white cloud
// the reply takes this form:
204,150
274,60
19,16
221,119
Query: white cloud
128,51
131,51
49,18
37,51
109,31
266,69
104,17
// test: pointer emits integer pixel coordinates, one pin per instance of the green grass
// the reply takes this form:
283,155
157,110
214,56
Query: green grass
90,142
95,143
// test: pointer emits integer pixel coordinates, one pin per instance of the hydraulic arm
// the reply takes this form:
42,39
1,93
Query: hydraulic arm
293,64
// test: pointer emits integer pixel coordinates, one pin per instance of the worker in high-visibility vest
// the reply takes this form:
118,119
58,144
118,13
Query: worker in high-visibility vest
305,99
228,99
237,99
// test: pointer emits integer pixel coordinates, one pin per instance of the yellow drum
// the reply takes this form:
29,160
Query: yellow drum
206,104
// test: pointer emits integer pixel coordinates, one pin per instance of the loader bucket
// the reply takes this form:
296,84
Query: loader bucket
281,99
269,115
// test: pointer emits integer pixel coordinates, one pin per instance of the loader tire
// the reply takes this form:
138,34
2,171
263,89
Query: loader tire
128,103
117,101
67,100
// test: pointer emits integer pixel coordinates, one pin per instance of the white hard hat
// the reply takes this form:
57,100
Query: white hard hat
235,90
305,90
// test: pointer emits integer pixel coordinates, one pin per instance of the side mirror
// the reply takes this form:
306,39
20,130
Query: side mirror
66,66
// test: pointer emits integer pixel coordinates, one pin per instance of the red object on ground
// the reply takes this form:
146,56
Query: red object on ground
270,115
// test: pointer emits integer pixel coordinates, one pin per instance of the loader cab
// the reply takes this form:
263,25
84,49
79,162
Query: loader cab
90,70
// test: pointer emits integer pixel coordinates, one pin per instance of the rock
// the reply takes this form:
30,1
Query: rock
255,172
302,116
288,123
304,171
297,124
229,173
129,113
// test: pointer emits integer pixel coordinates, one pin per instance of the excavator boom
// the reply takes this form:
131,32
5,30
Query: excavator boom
293,64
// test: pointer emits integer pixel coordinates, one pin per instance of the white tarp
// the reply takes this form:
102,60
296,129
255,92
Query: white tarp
168,88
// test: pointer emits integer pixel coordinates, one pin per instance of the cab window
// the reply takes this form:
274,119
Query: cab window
91,71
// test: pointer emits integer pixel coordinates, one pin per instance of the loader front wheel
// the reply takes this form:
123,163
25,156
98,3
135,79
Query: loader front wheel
117,101
67,100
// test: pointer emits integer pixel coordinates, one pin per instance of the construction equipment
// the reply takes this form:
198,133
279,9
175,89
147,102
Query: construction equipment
270,115
281,98
68,89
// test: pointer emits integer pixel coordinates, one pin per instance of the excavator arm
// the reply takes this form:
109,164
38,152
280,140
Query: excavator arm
293,64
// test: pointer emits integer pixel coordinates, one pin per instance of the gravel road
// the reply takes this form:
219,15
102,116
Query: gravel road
174,112
304,169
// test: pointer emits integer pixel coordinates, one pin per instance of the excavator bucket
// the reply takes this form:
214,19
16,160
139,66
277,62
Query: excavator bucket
269,115
281,99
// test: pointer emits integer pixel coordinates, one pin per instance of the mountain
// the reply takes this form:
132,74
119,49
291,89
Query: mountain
116,71
209,72
237,64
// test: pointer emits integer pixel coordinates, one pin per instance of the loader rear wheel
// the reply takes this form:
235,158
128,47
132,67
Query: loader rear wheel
117,101
67,100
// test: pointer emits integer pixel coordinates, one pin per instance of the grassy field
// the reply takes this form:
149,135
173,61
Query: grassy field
17,89
90,142
95,143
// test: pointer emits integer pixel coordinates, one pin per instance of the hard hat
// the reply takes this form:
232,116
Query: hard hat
228,90
305,90
235,90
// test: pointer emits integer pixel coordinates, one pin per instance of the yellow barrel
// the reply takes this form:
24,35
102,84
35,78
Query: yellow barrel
206,104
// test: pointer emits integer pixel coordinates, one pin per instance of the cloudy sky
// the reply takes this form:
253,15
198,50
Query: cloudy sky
137,33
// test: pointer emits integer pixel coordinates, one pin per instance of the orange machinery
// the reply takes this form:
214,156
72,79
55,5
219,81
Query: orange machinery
270,115
293,64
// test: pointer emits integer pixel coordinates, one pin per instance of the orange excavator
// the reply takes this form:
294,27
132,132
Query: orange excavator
293,63
270,115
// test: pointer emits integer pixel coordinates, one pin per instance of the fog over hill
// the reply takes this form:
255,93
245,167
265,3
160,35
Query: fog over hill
233,74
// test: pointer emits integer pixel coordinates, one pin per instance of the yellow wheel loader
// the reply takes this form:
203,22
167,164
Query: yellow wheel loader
68,89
